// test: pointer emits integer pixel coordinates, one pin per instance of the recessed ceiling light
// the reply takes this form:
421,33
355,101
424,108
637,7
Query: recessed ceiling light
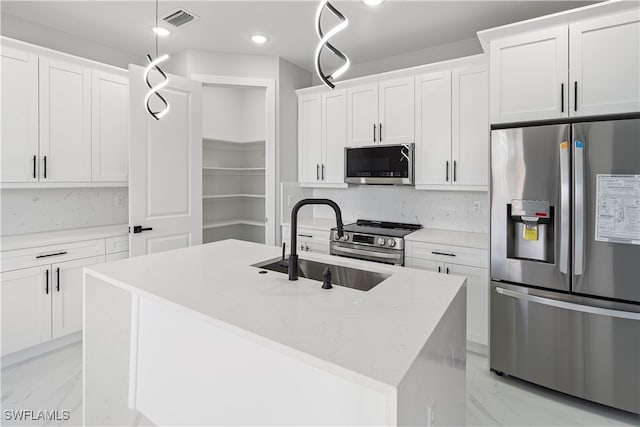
259,39
372,2
162,32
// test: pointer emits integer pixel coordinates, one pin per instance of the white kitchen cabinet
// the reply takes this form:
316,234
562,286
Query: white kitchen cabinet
65,121
310,138
604,64
381,113
109,127
66,293
307,240
26,308
452,129
477,301
19,116
529,76
362,115
322,127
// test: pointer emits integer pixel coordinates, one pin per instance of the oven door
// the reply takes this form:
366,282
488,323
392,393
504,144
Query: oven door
379,164
349,250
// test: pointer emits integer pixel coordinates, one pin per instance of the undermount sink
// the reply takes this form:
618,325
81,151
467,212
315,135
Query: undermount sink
340,275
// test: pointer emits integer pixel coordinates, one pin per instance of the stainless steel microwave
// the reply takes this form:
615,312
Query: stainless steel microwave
379,164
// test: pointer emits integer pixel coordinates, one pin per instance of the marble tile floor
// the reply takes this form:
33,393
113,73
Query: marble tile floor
54,381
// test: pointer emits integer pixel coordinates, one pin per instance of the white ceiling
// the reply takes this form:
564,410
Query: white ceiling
393,28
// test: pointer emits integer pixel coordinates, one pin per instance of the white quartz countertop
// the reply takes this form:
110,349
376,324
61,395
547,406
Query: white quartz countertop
377,334
30,240
322,224
448,237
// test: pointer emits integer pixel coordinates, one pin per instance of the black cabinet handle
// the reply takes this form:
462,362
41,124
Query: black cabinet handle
447,270
442,253
305,235
322,175
34,167
48,255
140,229
446,171
374,132
46,287
45,166
380,132
455,167
317,172
575,96
562,97
58,279
439,269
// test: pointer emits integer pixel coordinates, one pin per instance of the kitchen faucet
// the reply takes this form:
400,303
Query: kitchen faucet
293,257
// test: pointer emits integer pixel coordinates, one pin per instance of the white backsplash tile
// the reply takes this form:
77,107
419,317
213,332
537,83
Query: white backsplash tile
447,210
37,210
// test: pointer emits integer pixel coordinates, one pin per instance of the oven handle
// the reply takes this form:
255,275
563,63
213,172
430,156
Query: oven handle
365,253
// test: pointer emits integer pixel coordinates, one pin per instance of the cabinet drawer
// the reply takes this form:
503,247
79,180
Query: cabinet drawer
42,255
117,244
117,256
315,236
451,254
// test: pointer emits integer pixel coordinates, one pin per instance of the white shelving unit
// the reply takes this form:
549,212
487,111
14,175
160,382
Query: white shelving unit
234,168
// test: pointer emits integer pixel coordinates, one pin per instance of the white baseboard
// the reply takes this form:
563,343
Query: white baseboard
40,349
478,348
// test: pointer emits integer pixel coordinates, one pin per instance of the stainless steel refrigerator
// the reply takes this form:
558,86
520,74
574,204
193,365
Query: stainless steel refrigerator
565,258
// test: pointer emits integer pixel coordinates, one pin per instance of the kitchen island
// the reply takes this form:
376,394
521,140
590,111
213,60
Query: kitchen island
199,336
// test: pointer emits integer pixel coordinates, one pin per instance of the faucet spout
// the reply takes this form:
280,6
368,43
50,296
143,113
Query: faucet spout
293,257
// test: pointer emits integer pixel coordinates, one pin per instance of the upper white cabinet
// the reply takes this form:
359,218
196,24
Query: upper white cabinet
19,116
109,127
586,68
452,129
381,113
64,119
604,64
322,128
529,76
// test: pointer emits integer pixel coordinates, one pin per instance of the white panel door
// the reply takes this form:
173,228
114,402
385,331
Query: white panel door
65,122
470,127
433,128
19,116
334,135
165,177
26,307
66,291
110,127
604,65
396,111
309,138
362,115
477,301
529,75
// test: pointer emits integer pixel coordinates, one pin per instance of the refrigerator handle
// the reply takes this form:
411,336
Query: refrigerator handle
565,202
578,208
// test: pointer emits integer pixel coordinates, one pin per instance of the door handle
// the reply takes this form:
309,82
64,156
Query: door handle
562,97
578,208
58,279
45,167
34,167
446,171
439,269
447,270
374,132
140,229
317,172
455,171
565,183
575,96
442,253
380,131
48,255
46,286
305,235
322,175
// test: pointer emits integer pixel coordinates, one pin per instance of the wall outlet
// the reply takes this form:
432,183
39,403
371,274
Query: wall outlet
119,201
476,207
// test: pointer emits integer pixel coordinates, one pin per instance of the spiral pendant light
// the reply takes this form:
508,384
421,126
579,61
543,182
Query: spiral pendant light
154,90
328,79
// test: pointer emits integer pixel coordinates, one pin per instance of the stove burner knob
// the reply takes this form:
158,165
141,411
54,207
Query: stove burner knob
392,243
381,241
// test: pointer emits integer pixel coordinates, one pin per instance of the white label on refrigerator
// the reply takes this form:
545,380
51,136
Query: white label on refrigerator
618,208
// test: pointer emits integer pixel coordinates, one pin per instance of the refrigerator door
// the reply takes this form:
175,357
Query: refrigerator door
530,206
606,268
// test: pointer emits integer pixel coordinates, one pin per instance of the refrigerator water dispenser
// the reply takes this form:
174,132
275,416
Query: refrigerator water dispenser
530,230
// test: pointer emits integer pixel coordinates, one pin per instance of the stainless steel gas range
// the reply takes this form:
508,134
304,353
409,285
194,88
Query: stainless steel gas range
378,241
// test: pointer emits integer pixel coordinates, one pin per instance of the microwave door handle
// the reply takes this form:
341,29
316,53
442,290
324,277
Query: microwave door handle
578,212
565,183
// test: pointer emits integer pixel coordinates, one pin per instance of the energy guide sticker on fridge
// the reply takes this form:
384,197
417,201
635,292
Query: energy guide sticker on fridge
618,208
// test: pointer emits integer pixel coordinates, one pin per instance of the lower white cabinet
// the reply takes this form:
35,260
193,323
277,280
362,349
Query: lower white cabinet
308,239
26,308
443,259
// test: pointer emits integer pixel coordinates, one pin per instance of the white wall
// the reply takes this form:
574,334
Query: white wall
429,55
228,64
30,32
233,114
447,210
52,209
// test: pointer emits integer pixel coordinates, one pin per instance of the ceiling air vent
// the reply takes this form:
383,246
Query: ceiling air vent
179,17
